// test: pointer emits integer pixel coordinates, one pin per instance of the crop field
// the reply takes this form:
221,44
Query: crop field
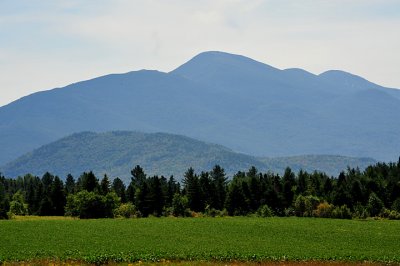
239,239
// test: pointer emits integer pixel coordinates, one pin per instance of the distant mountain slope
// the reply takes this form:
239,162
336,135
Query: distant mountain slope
221,98
331,164
116,153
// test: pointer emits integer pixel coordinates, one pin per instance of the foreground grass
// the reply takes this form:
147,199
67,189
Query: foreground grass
199,239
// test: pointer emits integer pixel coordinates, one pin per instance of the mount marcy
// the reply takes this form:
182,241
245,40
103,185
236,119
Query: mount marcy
216,97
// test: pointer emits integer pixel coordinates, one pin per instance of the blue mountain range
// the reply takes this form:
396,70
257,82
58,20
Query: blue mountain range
245,105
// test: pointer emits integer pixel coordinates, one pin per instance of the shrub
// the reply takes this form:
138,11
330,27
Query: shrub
289,212
180,206
394,215
265,211
360,211
300,205
389,214
396,205
86,204
126,210
375,205
304,205
210,212
342,212
18,205
324,210
167,211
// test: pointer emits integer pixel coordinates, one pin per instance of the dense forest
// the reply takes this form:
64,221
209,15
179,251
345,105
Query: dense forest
374,192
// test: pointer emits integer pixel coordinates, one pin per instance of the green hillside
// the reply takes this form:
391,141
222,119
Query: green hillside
116,153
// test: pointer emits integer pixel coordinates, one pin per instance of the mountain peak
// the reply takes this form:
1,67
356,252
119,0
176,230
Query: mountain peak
212,63
345,79
334,73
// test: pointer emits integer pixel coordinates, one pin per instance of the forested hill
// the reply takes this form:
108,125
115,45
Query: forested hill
221,98
116,153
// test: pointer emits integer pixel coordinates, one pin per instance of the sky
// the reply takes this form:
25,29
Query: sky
46,44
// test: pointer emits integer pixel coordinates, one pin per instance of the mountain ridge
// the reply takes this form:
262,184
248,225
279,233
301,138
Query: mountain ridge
116,153
270,112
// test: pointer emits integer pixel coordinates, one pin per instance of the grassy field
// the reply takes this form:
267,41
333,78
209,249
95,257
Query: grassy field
199,239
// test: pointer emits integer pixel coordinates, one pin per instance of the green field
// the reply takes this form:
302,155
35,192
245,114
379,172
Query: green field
208,239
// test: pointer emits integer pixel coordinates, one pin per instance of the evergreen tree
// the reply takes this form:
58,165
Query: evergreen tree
31,195
274,197
375,205
119,188
236,202
192,189
89,181
142,199
45,205
356,194
3,210
206,189
393,191
70,185
172,189
289,183
138,176
314,184
328,188
138,187
105,185
57,197
130,193
302,178
219,183
156,197
254,188
341,195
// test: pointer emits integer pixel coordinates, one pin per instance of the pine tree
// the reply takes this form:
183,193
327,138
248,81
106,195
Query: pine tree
236,202
3,211
119,188
89,181
172,189
105,185
138,176
289,183
45,205
206,189
70,185
57,197
219,182
192,189
156,197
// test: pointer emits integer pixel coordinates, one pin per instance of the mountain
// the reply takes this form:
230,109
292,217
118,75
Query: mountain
221,98
116,153
330,164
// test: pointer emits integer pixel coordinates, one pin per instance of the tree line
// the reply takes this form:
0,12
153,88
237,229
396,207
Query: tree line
374,192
